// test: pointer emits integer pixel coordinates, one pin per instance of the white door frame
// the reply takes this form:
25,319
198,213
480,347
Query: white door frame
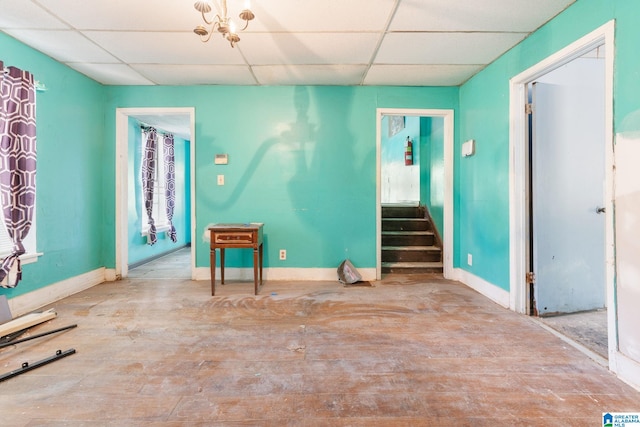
447,232
122,176
518,212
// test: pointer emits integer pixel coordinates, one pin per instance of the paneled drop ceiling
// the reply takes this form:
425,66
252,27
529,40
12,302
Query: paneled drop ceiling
291,42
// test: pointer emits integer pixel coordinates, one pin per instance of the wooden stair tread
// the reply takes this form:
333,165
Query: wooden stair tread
412,232
394,219
411,248
434,264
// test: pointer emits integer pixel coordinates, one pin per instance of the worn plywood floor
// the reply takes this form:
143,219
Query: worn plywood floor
585,328
413,350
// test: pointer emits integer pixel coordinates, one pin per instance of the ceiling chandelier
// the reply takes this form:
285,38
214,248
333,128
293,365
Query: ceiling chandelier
221,21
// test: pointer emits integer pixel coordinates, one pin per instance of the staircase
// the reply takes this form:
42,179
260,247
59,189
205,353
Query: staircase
409,244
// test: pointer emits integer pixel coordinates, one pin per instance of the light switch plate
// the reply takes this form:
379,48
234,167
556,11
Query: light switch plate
220,179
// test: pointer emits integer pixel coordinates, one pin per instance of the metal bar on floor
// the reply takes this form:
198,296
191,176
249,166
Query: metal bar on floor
26,367
44,334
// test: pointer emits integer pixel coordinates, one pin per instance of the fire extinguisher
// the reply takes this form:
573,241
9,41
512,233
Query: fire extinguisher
408,152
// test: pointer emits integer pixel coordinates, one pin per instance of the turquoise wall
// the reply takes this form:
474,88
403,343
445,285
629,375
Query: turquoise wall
139,250
425,165
482,181
392,148
301,159
432,169
70,177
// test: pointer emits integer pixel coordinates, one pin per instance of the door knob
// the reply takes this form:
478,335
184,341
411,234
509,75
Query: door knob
600,210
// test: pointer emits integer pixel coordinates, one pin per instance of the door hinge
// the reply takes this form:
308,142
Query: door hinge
531,277
528,108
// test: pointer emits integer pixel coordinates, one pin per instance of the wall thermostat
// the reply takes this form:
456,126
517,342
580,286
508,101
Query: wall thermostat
221,159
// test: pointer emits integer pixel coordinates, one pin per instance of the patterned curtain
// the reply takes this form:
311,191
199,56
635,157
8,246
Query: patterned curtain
148,179
170,183
17,163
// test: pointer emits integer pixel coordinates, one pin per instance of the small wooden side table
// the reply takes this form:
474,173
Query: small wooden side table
229,236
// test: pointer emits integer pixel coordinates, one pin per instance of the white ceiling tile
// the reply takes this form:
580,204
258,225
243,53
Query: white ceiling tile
420,75
339,75
444,48
197,74
138,15
476,15
111,74
165,48
63,45
308,48
26,14
319,15
289,42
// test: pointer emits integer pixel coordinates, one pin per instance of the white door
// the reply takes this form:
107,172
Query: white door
568,177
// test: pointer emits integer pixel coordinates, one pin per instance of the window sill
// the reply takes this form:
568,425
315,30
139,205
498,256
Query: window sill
27,258
159,229
30,257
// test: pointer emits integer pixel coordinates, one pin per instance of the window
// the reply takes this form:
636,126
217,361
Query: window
6,245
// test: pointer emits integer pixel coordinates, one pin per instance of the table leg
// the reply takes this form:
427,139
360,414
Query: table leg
255,270
212,262
260,264
222,266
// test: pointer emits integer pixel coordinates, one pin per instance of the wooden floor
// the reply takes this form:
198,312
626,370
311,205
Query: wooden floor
413,350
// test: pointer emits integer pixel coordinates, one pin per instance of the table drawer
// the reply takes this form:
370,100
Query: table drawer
233,237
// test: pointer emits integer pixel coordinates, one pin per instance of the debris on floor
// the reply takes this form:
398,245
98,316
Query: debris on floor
26,367
10,340
11,329
5,312
26,321
297,347
347,273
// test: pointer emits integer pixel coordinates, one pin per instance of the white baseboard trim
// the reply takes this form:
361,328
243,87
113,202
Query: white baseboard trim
303,274
110,275
628,370
23,304
489,290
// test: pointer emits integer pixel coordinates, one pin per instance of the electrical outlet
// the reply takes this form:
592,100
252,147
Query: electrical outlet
469,259
220,179
283,254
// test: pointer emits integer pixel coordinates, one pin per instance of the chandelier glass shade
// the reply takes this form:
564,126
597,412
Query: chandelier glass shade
220,22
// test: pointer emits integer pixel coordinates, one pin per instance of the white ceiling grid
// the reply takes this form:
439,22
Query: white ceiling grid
291,42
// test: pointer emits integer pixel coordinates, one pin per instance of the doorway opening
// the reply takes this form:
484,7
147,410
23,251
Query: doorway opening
390,124
181,123
562,186
172,265
567,175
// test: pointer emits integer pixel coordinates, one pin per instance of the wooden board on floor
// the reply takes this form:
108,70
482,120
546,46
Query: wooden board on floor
26,321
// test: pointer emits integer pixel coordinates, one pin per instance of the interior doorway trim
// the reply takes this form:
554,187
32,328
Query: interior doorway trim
122,176
518,212
447,232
